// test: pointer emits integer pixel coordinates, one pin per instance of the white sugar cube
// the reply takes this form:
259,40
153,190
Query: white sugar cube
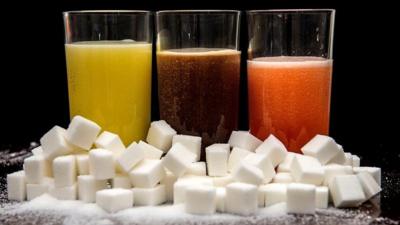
64,193
355,161
241,199
178,159
82,132
168,181
121,181
101,164
286,164
339,158
64,171
147,174
262,162
274,193
149,196
346,191
114,200
374,171
321,197
37,151
192,143
160,135
237,155
182,184
201,199
223,181
217,159
16,186
36,190
54,143
110,141
82,162
247,173
274,149
300,198
150,152
322,147
130,157
36,168
306,169
88,186
197,168
220,199
244,140
283,178
333,170
348,159
368,184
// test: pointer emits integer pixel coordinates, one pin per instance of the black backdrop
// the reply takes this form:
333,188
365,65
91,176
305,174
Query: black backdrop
364,117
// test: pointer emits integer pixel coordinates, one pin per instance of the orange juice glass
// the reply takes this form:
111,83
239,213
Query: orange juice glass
290,74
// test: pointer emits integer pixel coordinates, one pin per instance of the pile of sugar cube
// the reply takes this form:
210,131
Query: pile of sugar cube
83,163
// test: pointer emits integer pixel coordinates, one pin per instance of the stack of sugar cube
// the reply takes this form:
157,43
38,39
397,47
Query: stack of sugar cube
86,164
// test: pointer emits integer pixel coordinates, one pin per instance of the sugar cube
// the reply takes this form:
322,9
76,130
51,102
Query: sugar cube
64,171
241,198
88,186
160,135
300,198
274,149
197,168
322,147
222,181
178,159
16,186
368,184
182,184
339,158
321,197
121,181
35,190
247,173
355,161
332,170
54,144
64,193
244,140
348,159
37,151
201,199
150,152
110,141
220,199
237,154
101,164
82,162
217,159
149,196
306,169
114,200
36,168
147,174
286,164
346,191
374,171
274,193
192,143
82,132
130,157
168,181
283,178
262,162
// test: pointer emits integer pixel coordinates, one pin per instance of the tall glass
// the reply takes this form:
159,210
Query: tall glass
290,73
198,65
108,56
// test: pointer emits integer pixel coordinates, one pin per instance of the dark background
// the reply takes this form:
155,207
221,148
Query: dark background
364,114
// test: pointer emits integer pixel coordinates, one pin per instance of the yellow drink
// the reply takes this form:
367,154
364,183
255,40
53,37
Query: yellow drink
109,82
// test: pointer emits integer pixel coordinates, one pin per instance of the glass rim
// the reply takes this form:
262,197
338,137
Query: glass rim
200,11
267,11
87,12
